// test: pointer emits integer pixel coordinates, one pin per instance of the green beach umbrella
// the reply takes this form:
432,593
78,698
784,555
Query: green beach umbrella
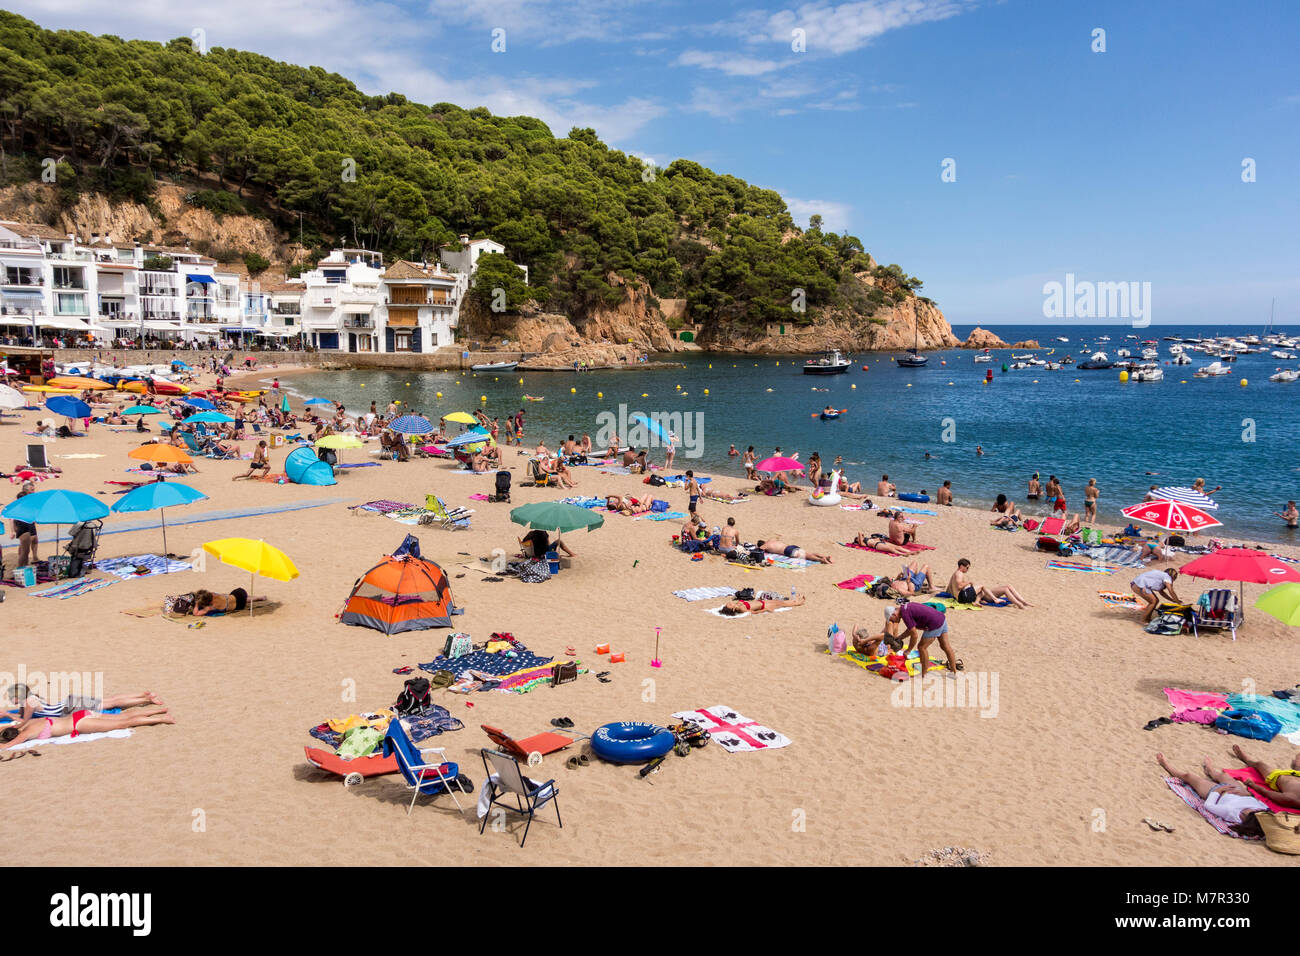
1282,602
556,516
284,404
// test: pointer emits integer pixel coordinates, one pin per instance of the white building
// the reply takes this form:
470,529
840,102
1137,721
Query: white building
420,308
339,299
465,261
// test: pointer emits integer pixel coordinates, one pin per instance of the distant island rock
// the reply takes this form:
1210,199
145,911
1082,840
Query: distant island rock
983,339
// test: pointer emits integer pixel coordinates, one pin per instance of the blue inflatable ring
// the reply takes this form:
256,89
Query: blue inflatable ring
910,497
631,742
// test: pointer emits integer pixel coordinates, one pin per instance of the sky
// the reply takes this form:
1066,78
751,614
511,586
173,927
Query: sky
988,147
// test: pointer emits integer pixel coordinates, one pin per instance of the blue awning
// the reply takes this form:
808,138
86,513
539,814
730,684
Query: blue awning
192,277
23,294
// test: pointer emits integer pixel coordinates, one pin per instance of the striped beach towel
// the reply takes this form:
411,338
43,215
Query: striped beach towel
703,594
1119,599
127,568
1078,566
1121,556
73,588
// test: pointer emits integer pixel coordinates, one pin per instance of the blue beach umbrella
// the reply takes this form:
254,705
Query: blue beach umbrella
653,427
143,410
202,404
158,495
411,425
177,363
68,406
211,418
55,507
318,401
474,436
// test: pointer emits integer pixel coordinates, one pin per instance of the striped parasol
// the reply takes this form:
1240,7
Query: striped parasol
1186,496
411,425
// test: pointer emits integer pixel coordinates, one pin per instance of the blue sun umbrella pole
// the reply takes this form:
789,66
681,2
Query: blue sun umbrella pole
160,495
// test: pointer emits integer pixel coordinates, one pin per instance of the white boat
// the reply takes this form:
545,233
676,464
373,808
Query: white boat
495,367
1279,354
1027,355
1285,375
984,357
1148,373
1059,339
1211,370
1150,354
1122,353
1181,359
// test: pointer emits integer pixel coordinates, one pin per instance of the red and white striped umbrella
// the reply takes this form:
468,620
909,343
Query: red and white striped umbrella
1172,516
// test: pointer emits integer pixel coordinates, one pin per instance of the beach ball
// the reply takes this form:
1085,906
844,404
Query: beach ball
482,398
1123,376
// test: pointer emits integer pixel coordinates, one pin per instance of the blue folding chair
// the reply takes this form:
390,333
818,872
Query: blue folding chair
505,779
422,778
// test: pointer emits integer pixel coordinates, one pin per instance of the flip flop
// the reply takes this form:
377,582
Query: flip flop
581,760
562,722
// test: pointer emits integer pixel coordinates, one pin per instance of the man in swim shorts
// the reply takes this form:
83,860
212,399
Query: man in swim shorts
792,551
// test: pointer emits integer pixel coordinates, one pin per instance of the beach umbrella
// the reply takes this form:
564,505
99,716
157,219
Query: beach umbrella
653,427
475,436
11,398
202,404
177,363
284,404
411,425
159,495
142,410
1241,565
1282,602
1187,496
464,418
211,418
338,442
78,382
68,406
56,507
778,464
1172,516
168,454
255,557
556,516
318,401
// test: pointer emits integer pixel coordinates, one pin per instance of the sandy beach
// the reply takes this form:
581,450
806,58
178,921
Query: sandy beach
1059,772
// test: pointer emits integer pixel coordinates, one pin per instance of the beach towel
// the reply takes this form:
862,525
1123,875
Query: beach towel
881,665
661,516
584,501
1078,566
789,564
1193,800
355,464
620,470
909,548
1185,699
74,588
733,732
497,664
859,583
480,497
79,739
717,612
704,593
1286,711
141,566
950,603
380,506
1119,599
1121,556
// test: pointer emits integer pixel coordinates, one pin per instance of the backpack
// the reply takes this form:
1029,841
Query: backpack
884,590
1048,544
655,480
414,698
746,594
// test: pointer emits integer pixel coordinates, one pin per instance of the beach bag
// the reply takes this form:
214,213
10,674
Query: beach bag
1031,524
655,481
1048,544
1281,831
457,645
746,594
414,698
1254,724
535,571
1064,550
178,604
835,639
657,506
564,673
1177,540
884,590
1091,536
1166,624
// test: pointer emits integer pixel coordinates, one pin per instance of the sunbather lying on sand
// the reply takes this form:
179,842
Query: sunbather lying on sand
627,505
1073,526
878,542
758,606
1280,785
792,551
34,705
965,591
1010,516
1226,798
81,722
913,579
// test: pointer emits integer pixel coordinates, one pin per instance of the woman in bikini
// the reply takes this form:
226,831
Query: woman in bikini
1281,785
81,722
733,608
205,602
626,505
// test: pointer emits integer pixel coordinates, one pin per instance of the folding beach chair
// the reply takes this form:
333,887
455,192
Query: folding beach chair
37,459
1218,609
83,543
540,478
422,778
444,517
540,744
1051,526
506,779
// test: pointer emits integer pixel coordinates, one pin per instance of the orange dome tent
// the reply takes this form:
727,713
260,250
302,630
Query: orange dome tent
404,593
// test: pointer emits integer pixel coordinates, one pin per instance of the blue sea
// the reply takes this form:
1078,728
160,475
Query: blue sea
1074,424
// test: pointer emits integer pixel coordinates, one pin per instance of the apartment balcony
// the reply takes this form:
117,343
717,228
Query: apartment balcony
161,315
74,256
70,286
20,245
355,324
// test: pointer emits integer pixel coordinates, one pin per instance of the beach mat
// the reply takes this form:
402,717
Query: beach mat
733,732
703,593
74,588
79,739
141,566
1115,555
1119,599
1056,565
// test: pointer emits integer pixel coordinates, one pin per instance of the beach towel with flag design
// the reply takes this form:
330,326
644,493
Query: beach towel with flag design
733,732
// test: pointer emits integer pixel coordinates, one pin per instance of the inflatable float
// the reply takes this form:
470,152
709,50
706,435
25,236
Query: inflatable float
921,499
827,497
631,742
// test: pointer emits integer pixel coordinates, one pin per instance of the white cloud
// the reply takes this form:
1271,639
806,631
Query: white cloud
732,64
851,26
835,215
546,22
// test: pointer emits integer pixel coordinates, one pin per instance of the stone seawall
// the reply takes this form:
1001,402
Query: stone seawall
443,360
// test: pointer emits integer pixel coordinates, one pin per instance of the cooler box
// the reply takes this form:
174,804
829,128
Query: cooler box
553,557
25,577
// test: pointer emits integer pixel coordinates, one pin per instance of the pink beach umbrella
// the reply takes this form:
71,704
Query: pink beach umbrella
779,464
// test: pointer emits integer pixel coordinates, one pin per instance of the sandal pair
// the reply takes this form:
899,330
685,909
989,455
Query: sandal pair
581,760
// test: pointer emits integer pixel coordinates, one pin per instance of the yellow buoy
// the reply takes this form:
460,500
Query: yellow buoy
679,388
521,381
1123,376
909,384
408,384
363,384
706,391
573,391
769,390
482,398
600,394
645,394
710,365
1243,383
440,394
852,386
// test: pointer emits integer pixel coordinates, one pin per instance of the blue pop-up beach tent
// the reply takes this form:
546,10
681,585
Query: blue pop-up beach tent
304,468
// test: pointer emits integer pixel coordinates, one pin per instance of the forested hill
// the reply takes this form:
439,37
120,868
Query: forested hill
281,140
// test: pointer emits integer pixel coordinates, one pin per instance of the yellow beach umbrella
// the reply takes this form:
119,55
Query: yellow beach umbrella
463,417
78,382
254,556
339,441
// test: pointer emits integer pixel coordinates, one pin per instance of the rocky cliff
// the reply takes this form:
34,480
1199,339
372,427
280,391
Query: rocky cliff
910,322
983,339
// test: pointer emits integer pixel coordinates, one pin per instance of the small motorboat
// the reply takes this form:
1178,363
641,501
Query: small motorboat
832,363
1285,375
1182,359
984,358
1147,373
1211,370
1099,360
494,367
